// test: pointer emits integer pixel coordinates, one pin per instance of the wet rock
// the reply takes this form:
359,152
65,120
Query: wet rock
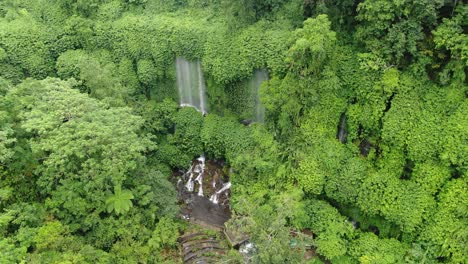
209,179
246,122
342,133
365,147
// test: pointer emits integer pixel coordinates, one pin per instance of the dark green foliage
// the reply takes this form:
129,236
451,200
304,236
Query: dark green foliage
311,47
341,13
99,77
87,154
449,35
393,29
245,12
188,125
27,45
343,185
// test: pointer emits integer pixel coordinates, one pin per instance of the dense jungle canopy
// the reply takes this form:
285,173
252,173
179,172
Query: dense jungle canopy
363,141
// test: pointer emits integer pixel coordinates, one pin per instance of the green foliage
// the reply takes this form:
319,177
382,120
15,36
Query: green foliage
447,229
120,201
165,234
158,116
281,102
449,35
77,33
3,55
311,46
343,185
146,71
50,236
85,8
86,147
230,57
310,176
454,142
98,79
188,125
333,230
266,223
129,251
127,75
245,12
28,47
155,192
159,38
80,116
54,244
223,136
431,176
10,252
340,13
368,248
6,152
81,178
393,29
403,203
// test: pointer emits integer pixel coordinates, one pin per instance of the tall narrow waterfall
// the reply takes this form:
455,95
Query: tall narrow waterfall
342,133
191,84
254,84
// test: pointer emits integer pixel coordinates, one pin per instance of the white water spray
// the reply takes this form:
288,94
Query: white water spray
198,169
214,198
201,171
191,84
189,184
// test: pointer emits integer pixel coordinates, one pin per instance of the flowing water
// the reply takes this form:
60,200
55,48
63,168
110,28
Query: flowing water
342,133
189,184
214,197
204,190
191,84
211,178
254,85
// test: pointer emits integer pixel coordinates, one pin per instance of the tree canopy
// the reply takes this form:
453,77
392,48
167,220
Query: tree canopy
361,157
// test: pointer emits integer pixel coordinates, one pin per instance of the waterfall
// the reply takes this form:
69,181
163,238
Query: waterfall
214,197
199,179
189,184
191,84
196,174
198,169
342,133
254,85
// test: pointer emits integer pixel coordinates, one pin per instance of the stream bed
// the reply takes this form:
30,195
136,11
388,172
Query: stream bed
204,192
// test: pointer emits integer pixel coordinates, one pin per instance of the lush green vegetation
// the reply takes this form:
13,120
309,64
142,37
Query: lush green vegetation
90,130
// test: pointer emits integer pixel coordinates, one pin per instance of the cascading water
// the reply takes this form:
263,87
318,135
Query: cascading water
189,184
205,178
214,197
191,84
197,170
200,169
254,85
